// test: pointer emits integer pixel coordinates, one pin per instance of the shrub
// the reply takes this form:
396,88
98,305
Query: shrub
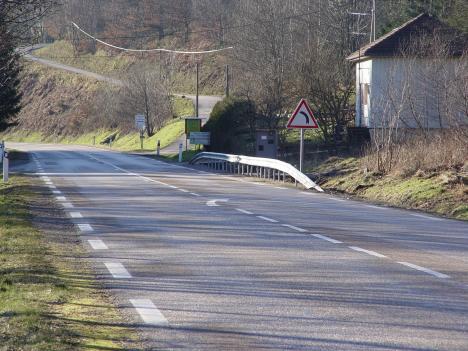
232,126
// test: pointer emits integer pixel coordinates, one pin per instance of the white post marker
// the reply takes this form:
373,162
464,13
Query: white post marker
180,153
5,166
158,148
302,118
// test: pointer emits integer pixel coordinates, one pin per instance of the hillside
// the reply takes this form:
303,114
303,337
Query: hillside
64,107
180,69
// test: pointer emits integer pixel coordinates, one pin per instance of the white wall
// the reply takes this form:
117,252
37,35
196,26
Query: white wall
417,93
363,76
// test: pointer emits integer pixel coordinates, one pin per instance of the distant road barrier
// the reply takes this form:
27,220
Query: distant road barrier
265,168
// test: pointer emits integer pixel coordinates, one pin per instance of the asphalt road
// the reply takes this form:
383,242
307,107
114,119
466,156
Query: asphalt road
199,261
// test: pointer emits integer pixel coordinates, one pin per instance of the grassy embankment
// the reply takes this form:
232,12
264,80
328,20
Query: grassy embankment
49,299
112,64
441,192
56,90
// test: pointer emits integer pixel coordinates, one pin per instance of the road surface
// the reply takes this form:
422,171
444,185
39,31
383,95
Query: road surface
199,261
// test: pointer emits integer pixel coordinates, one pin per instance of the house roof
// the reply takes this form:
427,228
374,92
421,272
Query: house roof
394,42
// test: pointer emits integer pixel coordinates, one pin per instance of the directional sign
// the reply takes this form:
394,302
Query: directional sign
200,138
192,125
303,117
140,122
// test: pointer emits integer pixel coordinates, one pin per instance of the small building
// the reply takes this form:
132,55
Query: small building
413,77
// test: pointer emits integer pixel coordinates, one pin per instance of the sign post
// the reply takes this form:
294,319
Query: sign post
140,124
302,118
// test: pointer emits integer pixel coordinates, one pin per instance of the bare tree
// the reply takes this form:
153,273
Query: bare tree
144,93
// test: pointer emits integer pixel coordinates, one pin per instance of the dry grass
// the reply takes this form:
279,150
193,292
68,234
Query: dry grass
437,151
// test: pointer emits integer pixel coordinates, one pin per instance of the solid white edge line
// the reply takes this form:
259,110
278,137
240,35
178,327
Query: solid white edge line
425,270
98,245
117,270
426,217
195,194
294,228
369,252
376,207
271,220
326,238
183,190
244,211
56,192
149,313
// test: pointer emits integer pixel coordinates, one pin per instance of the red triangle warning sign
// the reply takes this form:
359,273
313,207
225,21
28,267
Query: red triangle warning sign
303,117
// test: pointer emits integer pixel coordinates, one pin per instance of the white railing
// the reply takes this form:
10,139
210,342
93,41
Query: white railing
266,168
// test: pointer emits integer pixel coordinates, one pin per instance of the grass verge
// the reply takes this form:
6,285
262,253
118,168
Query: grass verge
443,192
49,299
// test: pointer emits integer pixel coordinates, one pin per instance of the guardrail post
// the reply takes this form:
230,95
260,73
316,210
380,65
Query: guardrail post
284,178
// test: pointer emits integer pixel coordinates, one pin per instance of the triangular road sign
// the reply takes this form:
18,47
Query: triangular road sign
303,117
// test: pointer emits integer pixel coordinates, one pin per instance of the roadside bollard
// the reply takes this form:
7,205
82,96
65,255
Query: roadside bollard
158,148
5,166
180,153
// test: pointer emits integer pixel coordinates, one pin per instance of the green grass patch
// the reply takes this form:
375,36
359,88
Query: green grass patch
49,300
183,107
125,141
432,193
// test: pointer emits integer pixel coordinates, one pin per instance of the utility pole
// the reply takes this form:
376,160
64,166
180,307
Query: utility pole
227,81
196,98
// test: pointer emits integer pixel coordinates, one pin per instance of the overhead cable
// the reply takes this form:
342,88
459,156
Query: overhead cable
152,50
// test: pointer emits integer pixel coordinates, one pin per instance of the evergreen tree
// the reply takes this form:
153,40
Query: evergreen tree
9,78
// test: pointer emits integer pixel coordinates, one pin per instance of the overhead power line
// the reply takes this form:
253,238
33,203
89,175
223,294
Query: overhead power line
152,50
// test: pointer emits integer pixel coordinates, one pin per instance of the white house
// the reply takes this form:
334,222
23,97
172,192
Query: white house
416,76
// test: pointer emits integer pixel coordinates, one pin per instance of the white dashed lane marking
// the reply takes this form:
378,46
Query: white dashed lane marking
76,215
67,205
56,192
195,194
326,238
85,228
117,270
271,220
61,198
244,211
372,253
425,270
294,228
98,244
149,312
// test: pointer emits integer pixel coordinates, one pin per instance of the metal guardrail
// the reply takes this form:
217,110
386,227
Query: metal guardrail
261,167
